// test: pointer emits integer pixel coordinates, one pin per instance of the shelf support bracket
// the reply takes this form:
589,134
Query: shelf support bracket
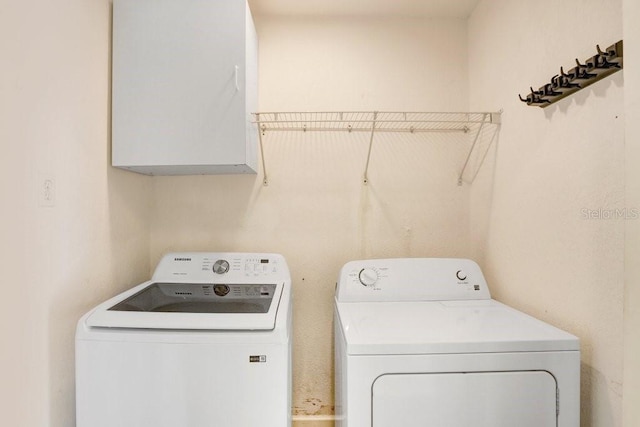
473,146
373,130
261,130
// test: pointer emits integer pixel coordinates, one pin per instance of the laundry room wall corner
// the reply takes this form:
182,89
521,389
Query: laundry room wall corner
631,386
551,240
83,229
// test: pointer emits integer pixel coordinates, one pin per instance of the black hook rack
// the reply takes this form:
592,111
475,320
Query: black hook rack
597,67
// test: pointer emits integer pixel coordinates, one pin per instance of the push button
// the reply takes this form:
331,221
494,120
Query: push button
221,290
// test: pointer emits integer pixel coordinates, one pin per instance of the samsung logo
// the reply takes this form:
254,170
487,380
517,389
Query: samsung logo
182,259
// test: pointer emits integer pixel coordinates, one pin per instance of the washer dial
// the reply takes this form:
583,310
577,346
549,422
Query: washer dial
221,266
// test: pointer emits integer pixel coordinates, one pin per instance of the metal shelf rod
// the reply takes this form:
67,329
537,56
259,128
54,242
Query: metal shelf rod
473,145
373,129
316,129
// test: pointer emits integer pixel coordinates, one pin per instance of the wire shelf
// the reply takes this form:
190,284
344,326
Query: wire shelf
364,121
373,122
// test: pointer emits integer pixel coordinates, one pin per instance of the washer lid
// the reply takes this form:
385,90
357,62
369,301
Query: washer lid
158,305
437,327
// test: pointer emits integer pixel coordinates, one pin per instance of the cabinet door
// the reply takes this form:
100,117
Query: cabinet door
179,82
488,399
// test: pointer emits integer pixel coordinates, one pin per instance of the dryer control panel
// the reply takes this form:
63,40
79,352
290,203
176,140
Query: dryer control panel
213,267
411,279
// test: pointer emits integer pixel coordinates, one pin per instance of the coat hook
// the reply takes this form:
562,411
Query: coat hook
547,90
534,98
603,62
565,80
573,73
561,81
592,62
602,59
581,71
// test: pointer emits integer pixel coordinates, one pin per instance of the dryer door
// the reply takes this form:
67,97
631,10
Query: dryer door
479,399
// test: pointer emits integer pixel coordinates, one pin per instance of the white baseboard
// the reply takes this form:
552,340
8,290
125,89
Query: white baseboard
313,421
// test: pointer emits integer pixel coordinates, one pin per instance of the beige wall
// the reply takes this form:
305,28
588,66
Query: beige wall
355,64
108,228
631,409
550,168
58,261
316,210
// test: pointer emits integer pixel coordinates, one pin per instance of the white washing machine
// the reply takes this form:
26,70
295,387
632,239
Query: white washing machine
420,342
205,342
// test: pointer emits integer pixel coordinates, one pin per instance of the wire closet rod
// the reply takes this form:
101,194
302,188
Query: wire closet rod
362,120
373,122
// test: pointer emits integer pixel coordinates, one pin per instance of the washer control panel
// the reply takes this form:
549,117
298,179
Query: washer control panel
411,279
221,267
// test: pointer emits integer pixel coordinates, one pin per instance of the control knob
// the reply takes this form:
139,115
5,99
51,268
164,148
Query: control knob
368,276
221,266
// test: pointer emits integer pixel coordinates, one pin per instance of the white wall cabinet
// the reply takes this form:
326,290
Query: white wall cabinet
184,84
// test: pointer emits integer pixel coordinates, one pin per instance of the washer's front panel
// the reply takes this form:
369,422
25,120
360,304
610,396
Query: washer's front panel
487,399
141,384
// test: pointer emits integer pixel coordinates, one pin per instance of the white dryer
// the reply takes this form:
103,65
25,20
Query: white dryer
205,342
420,342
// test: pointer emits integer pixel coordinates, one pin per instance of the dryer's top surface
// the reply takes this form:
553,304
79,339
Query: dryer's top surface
433,305
440,327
